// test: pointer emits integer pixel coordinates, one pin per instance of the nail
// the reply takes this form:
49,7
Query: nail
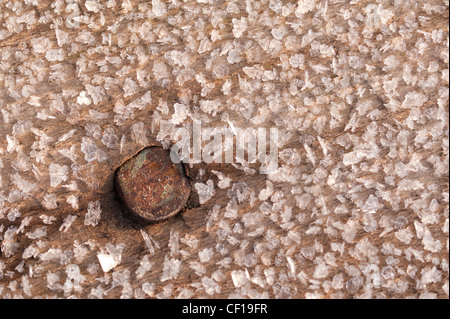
151,186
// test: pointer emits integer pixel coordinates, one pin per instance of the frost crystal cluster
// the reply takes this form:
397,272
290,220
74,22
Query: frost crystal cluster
358,206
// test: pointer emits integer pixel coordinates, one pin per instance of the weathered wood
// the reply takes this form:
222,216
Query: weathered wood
331,74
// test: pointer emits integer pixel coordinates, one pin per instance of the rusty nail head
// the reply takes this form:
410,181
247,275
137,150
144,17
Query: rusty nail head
151,186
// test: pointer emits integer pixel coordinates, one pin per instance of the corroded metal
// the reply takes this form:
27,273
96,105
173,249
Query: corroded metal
151,186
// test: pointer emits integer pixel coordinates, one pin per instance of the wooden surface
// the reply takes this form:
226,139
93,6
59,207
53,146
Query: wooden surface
283,254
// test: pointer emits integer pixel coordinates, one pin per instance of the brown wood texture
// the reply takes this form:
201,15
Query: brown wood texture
325,252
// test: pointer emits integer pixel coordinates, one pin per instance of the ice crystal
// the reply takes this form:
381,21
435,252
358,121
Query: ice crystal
110,256
205,191
171,268
93,214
